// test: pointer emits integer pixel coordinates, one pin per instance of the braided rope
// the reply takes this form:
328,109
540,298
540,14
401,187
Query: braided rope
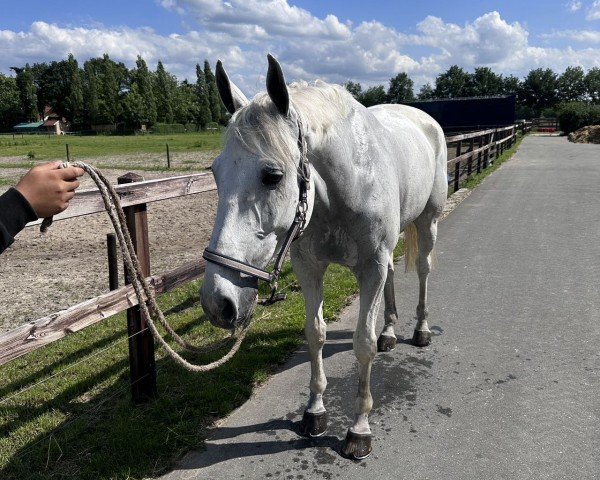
149,308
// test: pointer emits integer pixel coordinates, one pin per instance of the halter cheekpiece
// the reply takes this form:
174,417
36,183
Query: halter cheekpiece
296,229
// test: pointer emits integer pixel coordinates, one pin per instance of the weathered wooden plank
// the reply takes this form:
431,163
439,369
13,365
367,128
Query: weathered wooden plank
467,155
53,327
89,201
466,136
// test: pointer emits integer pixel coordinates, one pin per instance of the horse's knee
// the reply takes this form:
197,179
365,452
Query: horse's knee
365,348
315,333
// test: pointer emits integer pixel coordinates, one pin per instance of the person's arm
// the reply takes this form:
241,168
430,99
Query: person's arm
15,213
43,192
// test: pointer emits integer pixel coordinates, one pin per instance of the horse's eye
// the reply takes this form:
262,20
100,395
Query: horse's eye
271,178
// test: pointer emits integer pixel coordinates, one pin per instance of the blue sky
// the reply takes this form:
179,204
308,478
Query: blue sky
335,40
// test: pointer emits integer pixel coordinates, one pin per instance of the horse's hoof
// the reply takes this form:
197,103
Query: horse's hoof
421,338
357,446
385,343
313,424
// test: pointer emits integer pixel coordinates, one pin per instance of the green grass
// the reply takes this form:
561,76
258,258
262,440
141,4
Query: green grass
80,423
66,413
52,147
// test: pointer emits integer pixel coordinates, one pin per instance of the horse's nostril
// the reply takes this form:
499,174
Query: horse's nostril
228,311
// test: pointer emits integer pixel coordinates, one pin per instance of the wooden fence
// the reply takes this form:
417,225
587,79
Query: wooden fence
472,152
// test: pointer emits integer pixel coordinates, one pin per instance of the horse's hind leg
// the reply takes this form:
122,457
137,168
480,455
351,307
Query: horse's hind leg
310,274
427,234
387,339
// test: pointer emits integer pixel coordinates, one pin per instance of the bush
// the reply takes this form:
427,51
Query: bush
575,115
31,155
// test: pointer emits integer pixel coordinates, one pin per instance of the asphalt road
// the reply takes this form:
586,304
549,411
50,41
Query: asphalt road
509,387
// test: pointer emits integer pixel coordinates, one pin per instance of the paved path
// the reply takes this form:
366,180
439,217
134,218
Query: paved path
509,387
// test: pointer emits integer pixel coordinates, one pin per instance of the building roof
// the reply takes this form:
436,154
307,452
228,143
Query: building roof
28,126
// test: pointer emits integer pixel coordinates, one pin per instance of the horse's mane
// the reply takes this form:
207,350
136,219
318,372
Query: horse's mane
263,131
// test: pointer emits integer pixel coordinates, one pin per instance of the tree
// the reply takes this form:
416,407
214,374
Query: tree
592,85
163,94
142,79
454,82
426,92
539,89
571,85
184,103
373,96
511,84
354,88
203,113
134,108
53,82
213,94
74,101
10,103
484,82
400,89
27,92
90,95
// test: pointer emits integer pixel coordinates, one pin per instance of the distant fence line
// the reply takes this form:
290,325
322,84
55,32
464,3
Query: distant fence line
482,148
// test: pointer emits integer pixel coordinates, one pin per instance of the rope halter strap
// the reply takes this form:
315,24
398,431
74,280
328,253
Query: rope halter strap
294,231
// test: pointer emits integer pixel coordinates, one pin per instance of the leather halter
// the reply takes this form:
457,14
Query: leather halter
296,228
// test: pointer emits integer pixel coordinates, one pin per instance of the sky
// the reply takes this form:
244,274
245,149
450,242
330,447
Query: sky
336,41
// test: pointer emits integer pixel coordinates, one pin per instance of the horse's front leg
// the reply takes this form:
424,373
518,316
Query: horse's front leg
371,283
310,275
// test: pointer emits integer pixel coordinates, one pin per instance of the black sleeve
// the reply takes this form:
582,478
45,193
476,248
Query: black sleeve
15,213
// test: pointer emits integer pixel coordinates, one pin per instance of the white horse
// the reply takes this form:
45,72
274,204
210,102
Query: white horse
352,179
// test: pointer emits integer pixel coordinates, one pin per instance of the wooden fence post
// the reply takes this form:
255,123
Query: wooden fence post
456,175
470,161
479,146
113,274
141,343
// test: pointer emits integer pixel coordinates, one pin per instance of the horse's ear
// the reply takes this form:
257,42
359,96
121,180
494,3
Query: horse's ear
276,87
231,96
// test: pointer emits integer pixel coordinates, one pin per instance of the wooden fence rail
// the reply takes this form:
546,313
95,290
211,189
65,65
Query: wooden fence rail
482,148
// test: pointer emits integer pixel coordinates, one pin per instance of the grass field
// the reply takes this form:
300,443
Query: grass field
53,147
65,410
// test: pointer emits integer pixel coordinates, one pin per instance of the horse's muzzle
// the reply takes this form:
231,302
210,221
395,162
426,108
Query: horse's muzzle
228,308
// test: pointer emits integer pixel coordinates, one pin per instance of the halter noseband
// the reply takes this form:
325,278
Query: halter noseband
296,228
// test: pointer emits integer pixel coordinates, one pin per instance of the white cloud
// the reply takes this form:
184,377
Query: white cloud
584,36
594,11
242,32
574,5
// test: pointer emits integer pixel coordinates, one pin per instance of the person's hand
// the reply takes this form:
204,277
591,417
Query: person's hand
48,188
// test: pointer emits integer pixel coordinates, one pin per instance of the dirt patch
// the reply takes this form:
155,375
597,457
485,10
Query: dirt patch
40,275
589,134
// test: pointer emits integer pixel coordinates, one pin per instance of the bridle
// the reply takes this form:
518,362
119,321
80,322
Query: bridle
296,228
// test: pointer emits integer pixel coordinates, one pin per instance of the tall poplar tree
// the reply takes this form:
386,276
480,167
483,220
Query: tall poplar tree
143,81
213,93
74,103
163,94
27,92
202,99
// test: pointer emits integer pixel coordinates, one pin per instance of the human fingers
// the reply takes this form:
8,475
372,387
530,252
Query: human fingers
68,196
70,173
49,166
72,185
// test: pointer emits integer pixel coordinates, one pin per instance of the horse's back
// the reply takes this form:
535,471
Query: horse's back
425,173
395,115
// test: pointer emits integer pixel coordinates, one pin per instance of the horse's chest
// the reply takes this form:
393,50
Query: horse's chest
333,244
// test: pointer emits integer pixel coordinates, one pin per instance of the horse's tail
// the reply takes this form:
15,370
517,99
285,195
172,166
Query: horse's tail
411,249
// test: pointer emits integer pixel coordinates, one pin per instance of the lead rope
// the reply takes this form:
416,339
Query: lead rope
150,309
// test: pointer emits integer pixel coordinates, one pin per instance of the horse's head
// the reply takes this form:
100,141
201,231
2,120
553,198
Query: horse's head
258,186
